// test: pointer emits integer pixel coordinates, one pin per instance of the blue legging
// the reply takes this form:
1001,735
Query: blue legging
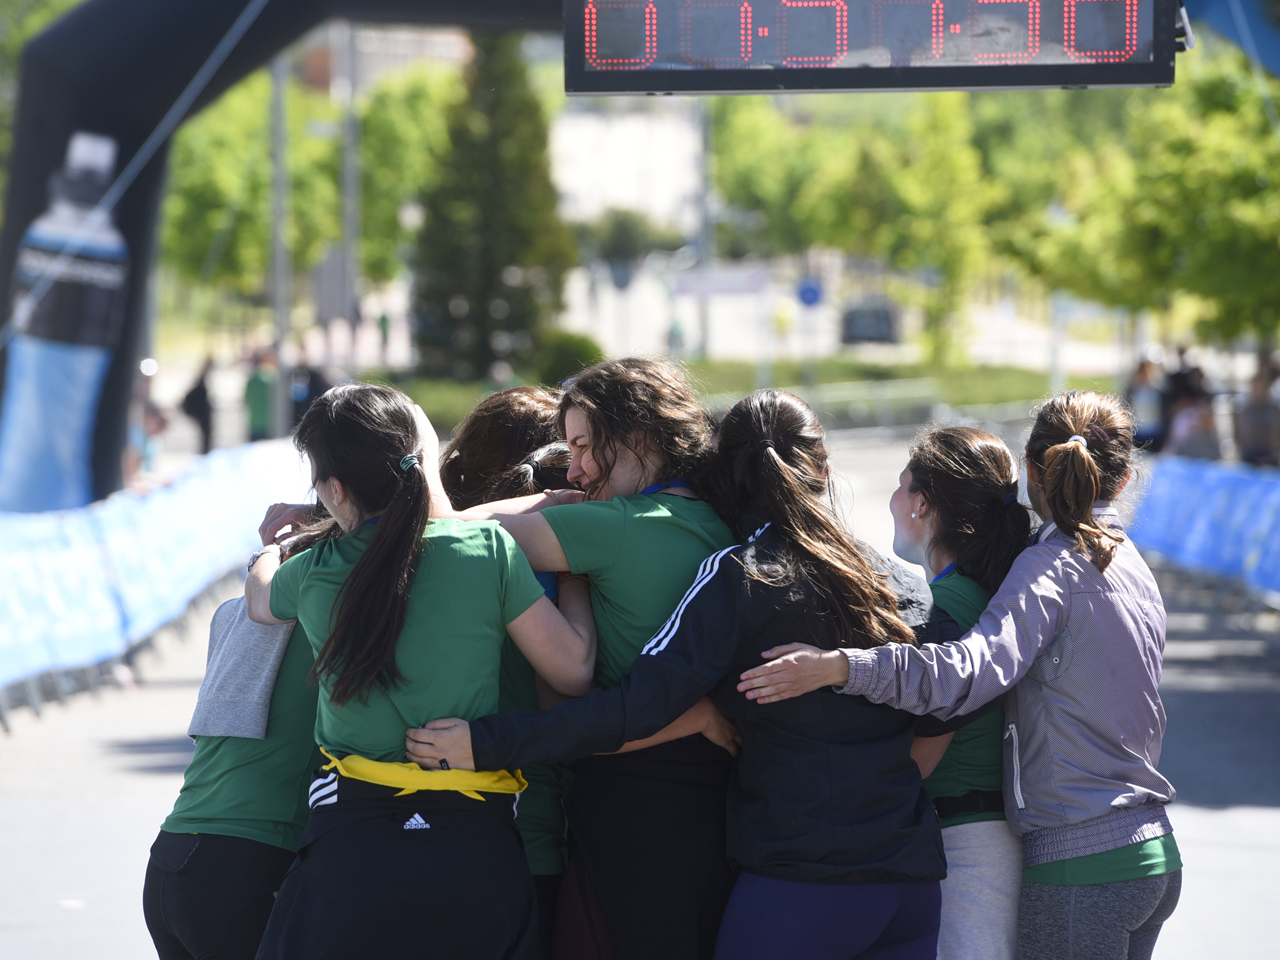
781,919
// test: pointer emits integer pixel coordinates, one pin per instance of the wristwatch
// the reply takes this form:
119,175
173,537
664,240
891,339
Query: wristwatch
257,555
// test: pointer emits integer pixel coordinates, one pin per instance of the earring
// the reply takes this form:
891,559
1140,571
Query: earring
914,517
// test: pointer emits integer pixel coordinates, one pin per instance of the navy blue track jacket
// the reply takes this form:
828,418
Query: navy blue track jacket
824,790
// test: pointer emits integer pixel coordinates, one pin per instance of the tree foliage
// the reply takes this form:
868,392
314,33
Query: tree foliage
1131,198
492,255
216,224
1183,199
917,198
402,136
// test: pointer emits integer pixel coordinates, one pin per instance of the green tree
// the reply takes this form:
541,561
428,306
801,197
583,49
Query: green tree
1206,192
915,196
492,255
1182,198
943,197
402,136
216,224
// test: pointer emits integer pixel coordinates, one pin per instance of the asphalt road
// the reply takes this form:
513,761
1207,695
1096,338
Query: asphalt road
84,788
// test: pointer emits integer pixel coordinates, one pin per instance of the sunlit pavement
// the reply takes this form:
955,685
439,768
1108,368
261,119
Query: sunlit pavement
84,788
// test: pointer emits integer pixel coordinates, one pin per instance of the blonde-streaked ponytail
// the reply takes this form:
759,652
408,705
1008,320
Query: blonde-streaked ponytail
1082,443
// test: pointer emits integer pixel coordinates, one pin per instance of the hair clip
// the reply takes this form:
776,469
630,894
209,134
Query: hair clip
1098,432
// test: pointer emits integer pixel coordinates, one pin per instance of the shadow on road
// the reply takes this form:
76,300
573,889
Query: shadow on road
170,755
1219,749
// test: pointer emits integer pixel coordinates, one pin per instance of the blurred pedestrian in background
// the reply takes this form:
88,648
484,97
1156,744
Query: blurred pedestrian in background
306,384
1147,404
1257,425
1192,431
198,407
258,390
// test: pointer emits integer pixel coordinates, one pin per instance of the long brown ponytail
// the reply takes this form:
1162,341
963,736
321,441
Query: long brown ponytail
1082,443
367,438
771,465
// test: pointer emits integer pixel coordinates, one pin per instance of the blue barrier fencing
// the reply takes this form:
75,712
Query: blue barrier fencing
1215,520
81,586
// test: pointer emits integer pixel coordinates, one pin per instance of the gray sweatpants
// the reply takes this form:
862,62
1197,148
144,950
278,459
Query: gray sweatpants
1103,921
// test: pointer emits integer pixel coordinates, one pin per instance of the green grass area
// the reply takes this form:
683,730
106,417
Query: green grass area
447,401
958,387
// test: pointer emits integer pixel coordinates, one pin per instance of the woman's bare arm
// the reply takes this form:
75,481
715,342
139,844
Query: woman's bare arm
703,717
257,588
560,644
927,752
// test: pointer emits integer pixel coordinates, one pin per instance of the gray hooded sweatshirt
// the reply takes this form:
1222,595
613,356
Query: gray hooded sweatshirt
1079,653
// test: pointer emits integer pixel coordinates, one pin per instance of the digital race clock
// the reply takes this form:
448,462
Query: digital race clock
726,46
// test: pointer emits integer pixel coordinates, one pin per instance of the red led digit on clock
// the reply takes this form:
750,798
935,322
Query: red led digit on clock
1101,56
1033,35
592,24
695,52
790,8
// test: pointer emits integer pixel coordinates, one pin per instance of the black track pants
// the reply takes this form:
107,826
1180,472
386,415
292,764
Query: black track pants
419,876
650,828
208,897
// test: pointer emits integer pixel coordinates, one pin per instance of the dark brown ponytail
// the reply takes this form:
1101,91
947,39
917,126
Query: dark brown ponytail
504,428
367,438
1082,444
771,465
970,480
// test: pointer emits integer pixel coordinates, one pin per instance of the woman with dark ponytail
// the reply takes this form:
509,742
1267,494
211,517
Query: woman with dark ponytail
956,513
1075,635
838,846
407,614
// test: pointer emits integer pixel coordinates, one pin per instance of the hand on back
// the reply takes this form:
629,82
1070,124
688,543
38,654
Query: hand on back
796,669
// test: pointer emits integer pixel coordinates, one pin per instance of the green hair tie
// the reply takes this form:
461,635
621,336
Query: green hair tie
410,461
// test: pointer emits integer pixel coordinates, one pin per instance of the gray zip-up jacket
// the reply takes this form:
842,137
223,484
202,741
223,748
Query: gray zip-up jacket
1079,653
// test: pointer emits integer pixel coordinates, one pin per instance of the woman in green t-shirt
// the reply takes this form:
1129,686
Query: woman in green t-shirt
221,854
407,615
956,513
647,827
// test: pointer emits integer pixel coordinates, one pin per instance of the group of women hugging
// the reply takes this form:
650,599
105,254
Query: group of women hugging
608,679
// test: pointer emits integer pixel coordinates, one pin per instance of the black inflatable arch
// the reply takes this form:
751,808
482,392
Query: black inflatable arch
115,67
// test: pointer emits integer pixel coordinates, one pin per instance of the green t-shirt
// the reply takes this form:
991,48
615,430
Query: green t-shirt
1150,858
642,554
471,581
257,789
975,758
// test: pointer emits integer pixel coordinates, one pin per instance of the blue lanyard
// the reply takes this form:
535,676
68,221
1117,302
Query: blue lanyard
950,569
653,488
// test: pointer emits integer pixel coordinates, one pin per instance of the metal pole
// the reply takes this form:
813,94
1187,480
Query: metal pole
1057,348
281,268
350,180
707,238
